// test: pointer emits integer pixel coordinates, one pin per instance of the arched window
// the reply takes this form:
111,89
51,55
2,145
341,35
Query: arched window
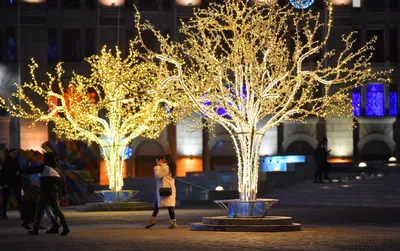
375,100
356,101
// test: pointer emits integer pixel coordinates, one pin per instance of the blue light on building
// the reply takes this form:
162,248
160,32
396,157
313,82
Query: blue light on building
128,153
12,49
279,163
356,102
393,104
375,101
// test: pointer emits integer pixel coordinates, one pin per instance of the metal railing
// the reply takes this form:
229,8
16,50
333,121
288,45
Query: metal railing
189,191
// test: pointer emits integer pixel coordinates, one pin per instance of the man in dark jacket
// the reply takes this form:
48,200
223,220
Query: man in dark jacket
50,185
10,180
321,160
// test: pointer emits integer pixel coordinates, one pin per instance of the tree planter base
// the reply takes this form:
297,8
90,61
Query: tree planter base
115,201
246,216
264,224
109,196
116,206
252,208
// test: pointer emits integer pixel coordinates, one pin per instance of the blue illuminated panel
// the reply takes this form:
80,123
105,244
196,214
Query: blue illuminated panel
356,102
279,163
375,101
393,104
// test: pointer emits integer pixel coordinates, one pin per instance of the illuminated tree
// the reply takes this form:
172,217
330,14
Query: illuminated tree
239,70
120,100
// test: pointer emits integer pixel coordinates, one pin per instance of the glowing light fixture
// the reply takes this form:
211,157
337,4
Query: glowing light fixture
392,159
362,165
188,2
341,2
34,1
111,2
219,188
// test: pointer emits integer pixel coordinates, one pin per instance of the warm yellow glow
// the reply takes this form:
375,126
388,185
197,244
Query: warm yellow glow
238,58
264,1
188,164
188,2
342,2
104,179
112,2
339,160
392,159
34,1
120,100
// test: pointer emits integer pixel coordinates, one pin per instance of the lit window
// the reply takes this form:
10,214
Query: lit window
375,101
356,102
356,3
393,99
11,44
52,45
71,45
393,104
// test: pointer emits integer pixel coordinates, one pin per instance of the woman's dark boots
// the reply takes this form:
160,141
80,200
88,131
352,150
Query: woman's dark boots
54,228
65,230
34,231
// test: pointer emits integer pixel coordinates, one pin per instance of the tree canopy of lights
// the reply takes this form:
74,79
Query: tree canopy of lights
247,67
120,100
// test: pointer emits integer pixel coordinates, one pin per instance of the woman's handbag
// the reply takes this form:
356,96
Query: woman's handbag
165,191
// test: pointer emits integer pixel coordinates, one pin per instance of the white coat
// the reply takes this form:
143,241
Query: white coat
165,179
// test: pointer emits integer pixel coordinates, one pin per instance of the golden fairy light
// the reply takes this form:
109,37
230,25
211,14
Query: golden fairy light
249,67
120,100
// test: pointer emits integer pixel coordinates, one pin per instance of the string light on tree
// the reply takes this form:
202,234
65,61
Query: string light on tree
236,58
120,100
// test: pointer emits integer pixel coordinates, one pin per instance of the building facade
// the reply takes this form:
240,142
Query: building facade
70,30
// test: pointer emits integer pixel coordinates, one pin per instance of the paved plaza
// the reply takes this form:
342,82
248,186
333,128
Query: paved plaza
324,228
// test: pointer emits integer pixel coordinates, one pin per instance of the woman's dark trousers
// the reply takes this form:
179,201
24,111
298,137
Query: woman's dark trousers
171,211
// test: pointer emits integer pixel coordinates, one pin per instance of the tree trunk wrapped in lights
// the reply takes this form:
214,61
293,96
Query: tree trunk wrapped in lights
239,70
120,100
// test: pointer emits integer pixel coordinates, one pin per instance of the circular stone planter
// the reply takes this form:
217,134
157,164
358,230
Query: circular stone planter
246,216
109,196
252,208
115,201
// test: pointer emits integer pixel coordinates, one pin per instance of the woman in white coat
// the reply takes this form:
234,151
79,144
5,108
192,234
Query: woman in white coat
164,173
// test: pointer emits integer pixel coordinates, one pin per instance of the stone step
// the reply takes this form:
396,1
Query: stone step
245,228
116,206
343,204
267,220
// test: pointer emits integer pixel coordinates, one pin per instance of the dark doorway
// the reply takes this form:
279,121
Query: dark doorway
375,150
145,159
223,156
299,148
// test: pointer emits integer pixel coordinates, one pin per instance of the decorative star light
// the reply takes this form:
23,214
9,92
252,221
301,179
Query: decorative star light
301,4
